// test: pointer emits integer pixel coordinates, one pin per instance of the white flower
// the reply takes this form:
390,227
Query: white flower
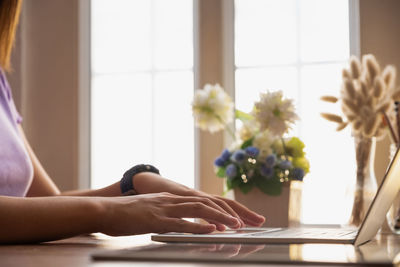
274,113
263,141
248,130
212,108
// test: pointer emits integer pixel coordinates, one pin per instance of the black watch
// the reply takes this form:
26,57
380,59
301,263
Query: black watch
126,183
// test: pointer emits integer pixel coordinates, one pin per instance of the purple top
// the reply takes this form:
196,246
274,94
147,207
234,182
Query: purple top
16,171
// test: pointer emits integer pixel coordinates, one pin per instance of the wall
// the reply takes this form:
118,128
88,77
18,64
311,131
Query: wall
380,35
45,84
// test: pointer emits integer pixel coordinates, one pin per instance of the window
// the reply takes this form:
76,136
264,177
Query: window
142,84
141,88
300,47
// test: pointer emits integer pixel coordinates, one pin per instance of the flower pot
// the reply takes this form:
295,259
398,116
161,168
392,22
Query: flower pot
280,211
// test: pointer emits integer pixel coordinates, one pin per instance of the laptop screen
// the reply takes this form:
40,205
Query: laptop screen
384,198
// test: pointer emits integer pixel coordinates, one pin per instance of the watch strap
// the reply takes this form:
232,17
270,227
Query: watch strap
126,183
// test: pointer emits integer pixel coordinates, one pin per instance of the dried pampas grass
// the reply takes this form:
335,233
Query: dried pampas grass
331,99
332,117
367,98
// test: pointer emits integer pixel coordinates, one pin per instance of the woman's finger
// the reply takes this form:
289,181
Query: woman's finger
183,226
206,201
221,203
210,202
248,216
220,226
202,211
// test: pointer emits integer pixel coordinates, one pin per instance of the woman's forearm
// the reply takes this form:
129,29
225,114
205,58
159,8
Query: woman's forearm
26,220
109,191
29,220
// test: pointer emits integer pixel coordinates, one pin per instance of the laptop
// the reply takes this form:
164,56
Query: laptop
371,224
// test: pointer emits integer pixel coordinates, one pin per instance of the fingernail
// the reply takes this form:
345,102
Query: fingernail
261,217
236,221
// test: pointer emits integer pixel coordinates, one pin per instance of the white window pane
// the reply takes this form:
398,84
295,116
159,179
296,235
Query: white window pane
251,82
173,126
319,31
136,45
265,32
324,30
121,125
331,153
121,39
173,44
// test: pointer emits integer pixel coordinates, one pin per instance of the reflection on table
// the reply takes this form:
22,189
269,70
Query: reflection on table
379,251
78,252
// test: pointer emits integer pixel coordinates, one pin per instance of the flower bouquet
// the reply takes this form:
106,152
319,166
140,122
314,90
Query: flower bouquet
261,155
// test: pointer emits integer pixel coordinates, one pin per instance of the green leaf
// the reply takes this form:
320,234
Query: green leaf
245,188
236,182
221,172
232,183
247,143
271,186
229,184
243,116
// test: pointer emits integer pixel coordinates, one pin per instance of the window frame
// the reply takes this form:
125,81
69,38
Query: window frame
84,89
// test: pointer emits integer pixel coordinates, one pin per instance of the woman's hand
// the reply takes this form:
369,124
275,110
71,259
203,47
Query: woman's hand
160,213
27,220
147,182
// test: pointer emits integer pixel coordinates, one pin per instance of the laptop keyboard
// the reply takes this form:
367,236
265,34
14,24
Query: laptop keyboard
309,233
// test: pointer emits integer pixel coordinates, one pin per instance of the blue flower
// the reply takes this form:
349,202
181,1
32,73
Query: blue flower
266,171
285,164
298,174
252,151
231,171
270,161
219,162
225,155
238,156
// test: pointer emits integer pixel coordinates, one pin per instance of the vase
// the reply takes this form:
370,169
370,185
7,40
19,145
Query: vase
393,216
365,185
279,211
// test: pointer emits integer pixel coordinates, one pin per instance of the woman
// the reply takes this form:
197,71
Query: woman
32,209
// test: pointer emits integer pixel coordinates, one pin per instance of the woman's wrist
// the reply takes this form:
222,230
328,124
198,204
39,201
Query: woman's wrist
146,182
101,210
143,181
127,182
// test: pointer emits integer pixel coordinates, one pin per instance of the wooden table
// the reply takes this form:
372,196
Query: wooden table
77,252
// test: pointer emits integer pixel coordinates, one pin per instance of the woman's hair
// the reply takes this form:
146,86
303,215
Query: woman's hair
9,15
